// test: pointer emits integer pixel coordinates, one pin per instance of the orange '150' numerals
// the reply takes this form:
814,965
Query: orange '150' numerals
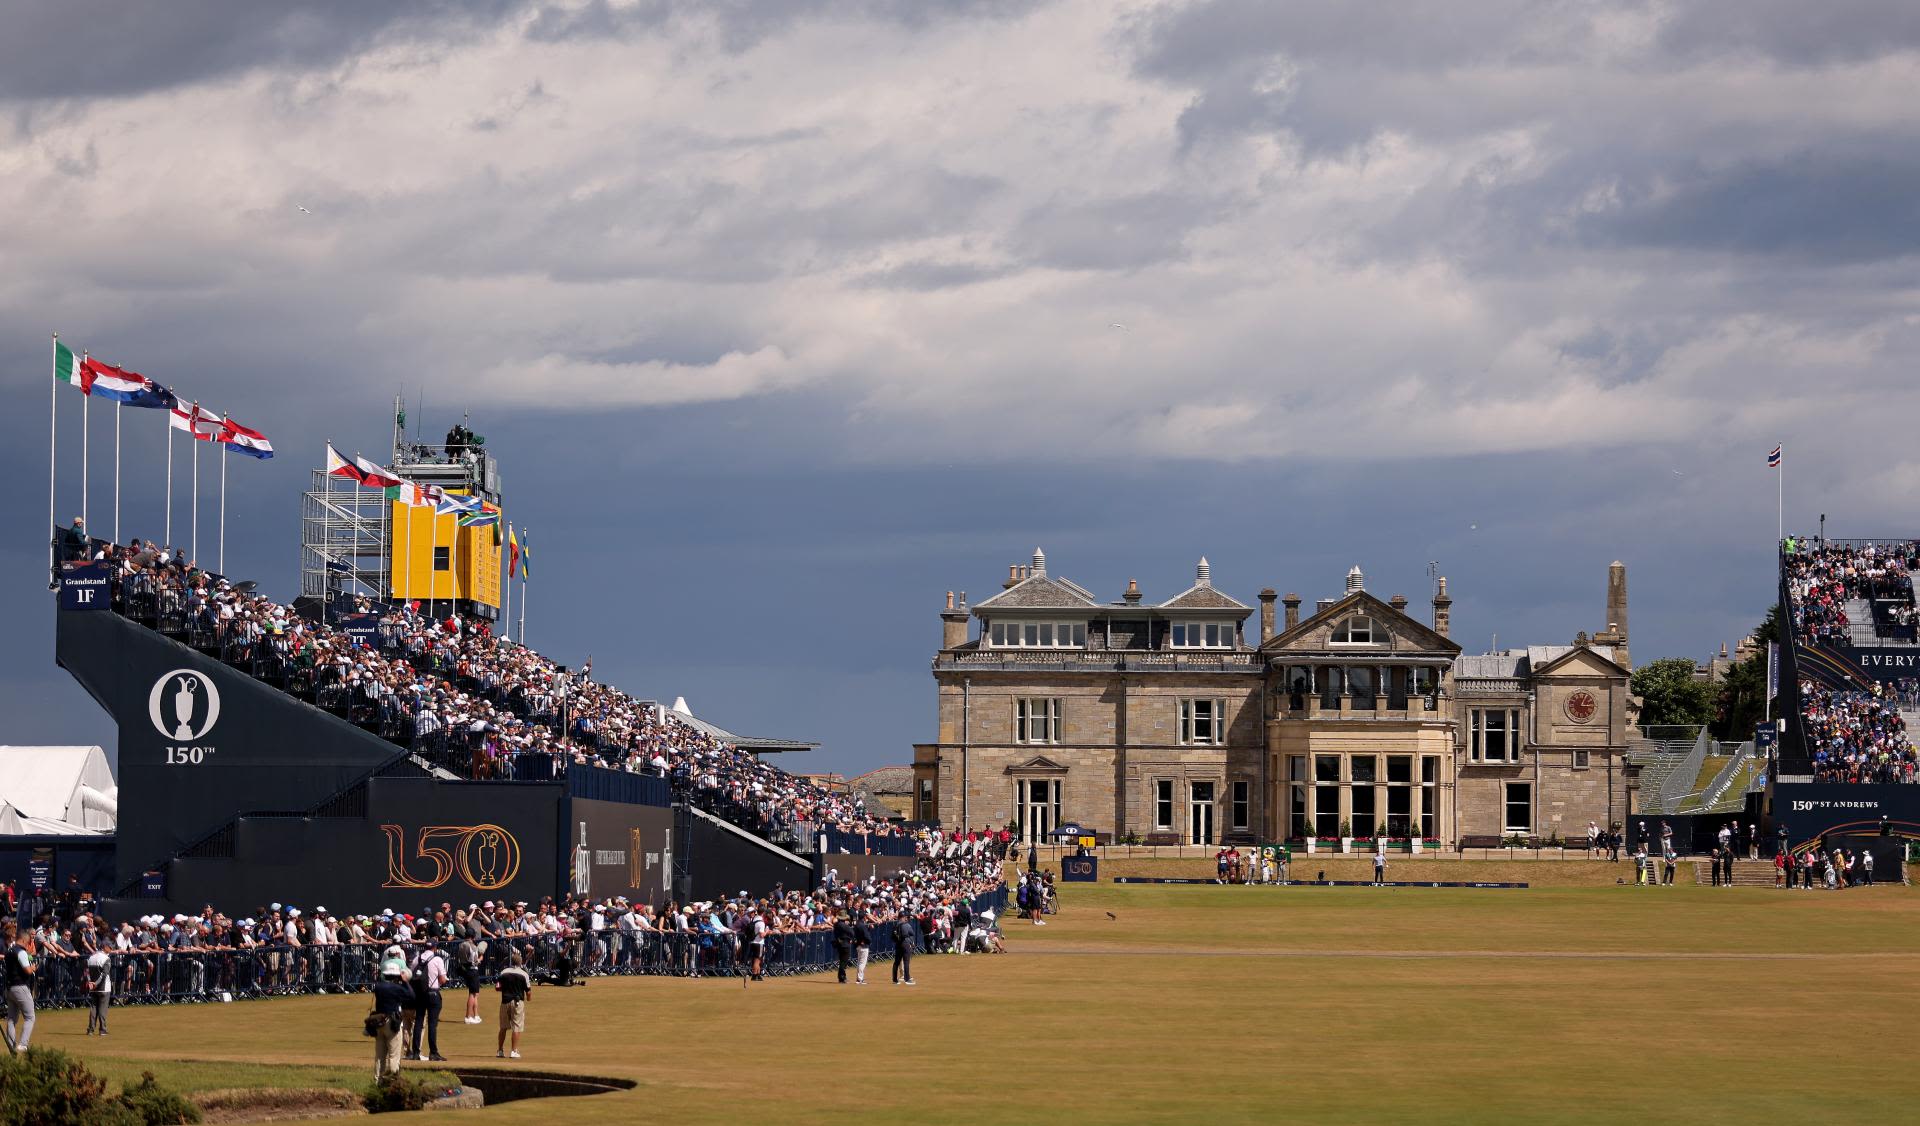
485,857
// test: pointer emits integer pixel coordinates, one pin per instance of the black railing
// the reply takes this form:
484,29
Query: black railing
189,976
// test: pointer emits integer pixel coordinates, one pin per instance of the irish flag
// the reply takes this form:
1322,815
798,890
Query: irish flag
71,368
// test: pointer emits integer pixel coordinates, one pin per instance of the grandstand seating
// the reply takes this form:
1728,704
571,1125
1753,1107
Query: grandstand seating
462,699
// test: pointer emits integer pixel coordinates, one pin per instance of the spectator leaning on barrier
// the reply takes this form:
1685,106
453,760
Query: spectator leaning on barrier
20,969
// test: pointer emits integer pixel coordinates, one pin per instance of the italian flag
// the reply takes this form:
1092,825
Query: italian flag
71,368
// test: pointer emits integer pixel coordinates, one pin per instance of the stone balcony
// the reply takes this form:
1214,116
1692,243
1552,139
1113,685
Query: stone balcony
1086,660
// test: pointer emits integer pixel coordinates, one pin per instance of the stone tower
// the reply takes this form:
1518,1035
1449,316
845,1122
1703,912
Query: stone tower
1616,632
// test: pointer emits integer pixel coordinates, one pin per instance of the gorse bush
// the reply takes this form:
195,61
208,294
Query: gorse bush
45,1087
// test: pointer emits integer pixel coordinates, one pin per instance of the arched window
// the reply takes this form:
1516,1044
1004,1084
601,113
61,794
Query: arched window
1358,631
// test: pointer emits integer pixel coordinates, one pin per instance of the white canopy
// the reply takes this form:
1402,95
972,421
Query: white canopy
66,790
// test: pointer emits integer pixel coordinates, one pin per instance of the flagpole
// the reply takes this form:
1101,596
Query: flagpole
53,447
1780,499
193,421
223,512
523,611
169,542
116,472
506,589
84,415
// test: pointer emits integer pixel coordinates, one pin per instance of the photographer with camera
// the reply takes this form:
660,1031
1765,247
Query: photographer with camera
390,994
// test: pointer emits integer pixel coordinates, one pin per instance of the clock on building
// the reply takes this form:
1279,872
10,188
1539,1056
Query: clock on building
1581,705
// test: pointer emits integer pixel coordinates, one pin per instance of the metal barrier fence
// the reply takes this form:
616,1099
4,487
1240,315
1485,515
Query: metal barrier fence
193,976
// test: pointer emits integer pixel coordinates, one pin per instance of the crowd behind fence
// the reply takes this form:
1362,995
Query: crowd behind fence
162,977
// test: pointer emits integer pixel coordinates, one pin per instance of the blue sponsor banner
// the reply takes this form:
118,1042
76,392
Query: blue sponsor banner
1848,666
1807,811
1079,869
84,587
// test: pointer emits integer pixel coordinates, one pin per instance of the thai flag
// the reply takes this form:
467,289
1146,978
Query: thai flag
1773,459
244,440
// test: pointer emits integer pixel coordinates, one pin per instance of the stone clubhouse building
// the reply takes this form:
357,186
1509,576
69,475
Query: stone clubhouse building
1166,723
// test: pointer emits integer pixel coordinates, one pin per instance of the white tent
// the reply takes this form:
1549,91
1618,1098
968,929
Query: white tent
56,790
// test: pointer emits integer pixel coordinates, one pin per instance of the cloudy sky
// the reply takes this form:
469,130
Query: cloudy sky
786,316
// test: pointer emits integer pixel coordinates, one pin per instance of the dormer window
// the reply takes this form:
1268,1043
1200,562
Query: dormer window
1203,635
1038,635
1359,631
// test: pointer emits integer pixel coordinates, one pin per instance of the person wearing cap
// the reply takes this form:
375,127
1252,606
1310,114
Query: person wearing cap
513,985
99,982
390,995
903,937
862,947
429,976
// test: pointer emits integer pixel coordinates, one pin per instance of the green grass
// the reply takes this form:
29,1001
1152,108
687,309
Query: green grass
1579,1004
190,1075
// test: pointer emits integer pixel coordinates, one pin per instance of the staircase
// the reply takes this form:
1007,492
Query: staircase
1746,873
1860,622
1657,765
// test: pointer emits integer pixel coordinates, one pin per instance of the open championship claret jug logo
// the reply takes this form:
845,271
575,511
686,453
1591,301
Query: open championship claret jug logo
184,705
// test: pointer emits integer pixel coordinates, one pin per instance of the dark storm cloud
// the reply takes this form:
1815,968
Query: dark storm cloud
1791,31
1824,207
93,48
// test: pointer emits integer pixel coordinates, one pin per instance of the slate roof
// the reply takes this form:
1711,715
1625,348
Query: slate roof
1199,597
1517,663
1041,592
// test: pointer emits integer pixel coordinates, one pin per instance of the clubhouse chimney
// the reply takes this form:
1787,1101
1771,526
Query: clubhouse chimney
953,623
1267,597
1292,602
1442,609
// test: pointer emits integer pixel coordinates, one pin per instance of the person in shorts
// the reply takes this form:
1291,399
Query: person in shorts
466,966
513,985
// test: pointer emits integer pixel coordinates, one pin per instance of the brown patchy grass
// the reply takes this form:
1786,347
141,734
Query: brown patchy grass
1230,1004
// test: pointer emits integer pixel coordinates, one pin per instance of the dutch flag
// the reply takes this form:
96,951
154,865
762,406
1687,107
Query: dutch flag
1773,459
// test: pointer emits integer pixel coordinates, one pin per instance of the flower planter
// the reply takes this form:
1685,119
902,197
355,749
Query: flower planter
1346,844
1415,846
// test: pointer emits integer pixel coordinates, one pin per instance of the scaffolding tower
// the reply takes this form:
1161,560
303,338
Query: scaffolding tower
347,531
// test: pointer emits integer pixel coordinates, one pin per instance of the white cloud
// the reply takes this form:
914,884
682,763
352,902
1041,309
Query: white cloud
1321,243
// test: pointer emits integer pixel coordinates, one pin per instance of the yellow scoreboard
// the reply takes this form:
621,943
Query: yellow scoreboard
435,558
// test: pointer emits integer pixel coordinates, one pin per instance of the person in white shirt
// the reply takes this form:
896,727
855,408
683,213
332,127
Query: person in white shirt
429,977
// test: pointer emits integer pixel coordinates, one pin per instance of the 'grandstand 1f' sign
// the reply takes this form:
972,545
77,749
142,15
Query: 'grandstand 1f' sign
84,587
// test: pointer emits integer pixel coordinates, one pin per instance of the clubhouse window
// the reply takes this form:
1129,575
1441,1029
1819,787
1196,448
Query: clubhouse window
1163,803
1203,635
1519,808
1582,759
1494,735
1203,723
929,805
1242,792
1358,631
1036,721
1038,635
442,558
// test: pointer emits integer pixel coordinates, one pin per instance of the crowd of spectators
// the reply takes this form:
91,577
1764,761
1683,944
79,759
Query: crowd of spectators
1822,576
460,695
1855,736
283,949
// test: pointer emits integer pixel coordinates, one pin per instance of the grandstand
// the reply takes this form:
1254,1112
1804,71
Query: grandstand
414,752
1849,688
